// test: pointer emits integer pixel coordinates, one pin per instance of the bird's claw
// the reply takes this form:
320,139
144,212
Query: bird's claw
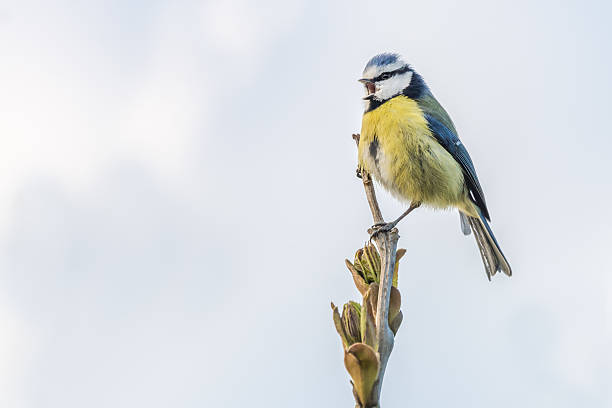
380,227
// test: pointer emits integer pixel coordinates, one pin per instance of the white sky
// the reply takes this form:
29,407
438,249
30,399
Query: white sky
178,196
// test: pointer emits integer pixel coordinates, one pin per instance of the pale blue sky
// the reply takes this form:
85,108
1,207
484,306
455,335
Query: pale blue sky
154,152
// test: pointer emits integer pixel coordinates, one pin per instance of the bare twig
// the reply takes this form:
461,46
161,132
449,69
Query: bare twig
369,190
386,242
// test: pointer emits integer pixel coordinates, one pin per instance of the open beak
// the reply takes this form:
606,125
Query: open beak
370,87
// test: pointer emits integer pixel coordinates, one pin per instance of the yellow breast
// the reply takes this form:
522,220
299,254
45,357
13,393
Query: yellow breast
398,149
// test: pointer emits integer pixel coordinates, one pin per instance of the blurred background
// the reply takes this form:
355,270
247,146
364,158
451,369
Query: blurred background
178,196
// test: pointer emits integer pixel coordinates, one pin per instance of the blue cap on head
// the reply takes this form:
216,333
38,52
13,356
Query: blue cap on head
385,58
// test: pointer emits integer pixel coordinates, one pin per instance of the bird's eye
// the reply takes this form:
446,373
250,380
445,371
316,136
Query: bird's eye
384,76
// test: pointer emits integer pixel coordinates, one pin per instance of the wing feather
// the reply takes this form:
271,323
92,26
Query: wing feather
444,131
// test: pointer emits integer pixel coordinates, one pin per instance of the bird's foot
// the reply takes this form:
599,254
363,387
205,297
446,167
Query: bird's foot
381,227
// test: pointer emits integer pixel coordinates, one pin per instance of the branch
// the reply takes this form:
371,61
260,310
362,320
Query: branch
369,190
386,242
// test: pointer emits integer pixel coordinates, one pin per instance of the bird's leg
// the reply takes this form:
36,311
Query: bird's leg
385,227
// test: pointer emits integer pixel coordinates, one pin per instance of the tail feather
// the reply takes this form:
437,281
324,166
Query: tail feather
484,247
492,255
465,224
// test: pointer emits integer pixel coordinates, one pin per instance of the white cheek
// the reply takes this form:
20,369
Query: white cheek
393,86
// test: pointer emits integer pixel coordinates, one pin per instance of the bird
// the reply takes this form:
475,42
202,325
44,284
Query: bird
410,146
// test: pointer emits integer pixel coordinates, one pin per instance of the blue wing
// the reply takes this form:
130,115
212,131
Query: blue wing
450,141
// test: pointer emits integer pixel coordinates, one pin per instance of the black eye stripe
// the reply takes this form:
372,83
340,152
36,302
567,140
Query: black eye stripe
392,73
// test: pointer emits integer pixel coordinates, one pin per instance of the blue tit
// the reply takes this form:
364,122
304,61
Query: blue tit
410,146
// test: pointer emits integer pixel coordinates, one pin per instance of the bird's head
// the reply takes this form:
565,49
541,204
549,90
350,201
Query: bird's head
388,75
